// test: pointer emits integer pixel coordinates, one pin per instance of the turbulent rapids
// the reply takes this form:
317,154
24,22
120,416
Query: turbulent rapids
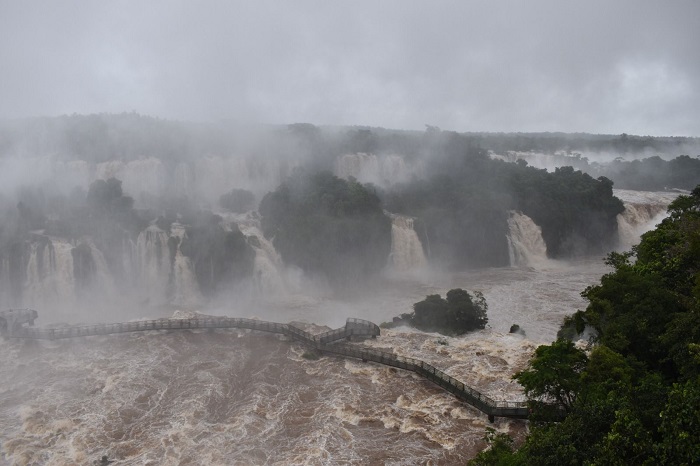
321,343
229,390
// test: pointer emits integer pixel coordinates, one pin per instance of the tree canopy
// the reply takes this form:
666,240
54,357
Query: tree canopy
460,313
635,398
329,227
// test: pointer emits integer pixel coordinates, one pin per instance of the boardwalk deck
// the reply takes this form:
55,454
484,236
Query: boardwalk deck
322,343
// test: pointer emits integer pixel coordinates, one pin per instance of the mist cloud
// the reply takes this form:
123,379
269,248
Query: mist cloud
628,66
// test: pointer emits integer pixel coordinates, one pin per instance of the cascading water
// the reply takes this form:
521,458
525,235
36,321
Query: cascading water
406,249
102,283
154,264
525,243
643,210
54,273
268,272
50,279
166,275
382,170
635,220
185,290
137,397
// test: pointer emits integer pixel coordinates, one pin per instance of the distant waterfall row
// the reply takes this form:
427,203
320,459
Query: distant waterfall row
207,179
46,271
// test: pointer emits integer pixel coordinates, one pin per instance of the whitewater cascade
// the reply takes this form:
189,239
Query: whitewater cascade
643,211
406,248
185,289
49,274
526,246
382,170
637,219
268,269
153,264
166,275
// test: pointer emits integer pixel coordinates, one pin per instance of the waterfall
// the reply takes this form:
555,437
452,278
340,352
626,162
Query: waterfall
406,249
166,275
525,243
383,170
636,220
153,264
53,273
49,280
268,272
185,287
643,211
103,280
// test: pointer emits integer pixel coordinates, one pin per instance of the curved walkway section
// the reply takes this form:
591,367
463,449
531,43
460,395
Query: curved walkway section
321,343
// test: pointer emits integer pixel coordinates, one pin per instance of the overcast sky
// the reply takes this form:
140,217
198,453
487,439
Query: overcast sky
590,66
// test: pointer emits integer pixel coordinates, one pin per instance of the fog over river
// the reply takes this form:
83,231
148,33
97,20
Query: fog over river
241,397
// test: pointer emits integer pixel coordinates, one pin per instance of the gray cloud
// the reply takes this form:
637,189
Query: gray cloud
595,66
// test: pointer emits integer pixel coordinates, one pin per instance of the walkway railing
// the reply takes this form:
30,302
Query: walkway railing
322,343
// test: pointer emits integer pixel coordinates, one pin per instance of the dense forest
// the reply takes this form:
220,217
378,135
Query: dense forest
633,396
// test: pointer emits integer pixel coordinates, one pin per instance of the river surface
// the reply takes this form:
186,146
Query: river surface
240,397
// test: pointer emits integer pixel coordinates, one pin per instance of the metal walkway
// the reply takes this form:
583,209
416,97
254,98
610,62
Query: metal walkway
322,343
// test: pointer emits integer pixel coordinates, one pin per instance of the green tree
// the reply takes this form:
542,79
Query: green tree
466,311
680,425
237,200
554,374
459,313
329,227
635,399
220,257
499,451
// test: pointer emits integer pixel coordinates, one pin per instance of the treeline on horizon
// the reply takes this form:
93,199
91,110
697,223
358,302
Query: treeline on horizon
637,162
128,136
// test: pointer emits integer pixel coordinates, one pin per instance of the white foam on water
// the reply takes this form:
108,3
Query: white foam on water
241,397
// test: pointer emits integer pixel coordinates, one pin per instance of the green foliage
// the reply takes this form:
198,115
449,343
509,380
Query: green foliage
672,250
105,197
636,397
466,197
459,313
577,214
654,173
462,203
499,451
221,258
554,374
328,227
680,425
237,200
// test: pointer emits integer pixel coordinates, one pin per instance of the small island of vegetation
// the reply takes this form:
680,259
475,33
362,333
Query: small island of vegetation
460,313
